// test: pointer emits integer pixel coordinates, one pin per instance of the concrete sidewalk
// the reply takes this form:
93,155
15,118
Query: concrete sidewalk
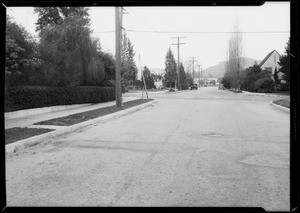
30,120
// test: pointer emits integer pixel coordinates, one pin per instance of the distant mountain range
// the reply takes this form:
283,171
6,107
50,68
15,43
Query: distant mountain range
216,70
219,69
157,70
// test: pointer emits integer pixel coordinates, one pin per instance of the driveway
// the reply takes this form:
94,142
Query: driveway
204,147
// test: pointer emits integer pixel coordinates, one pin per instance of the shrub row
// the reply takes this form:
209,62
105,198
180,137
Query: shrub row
27,97
264,85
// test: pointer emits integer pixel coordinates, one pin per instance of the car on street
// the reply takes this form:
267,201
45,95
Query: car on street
194,86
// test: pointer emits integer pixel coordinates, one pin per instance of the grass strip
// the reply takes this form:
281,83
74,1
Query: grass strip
84,116
282,102
20,133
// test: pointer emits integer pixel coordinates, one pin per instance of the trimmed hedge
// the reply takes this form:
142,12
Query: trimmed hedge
27,97
265,85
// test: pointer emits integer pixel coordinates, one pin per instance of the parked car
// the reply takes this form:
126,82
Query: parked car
194,86
221,87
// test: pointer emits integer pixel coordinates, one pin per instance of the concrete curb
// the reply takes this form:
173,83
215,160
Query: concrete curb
284,109
32,141
262,94
234,92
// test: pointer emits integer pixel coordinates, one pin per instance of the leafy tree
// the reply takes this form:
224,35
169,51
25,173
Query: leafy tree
188,81
52,16
109,67
149,78
170,70
226,82
252,75
276,77
128,67
21,61
68,52
182,75
284,62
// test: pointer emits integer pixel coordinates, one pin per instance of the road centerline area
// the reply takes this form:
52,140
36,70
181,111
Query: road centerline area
194,149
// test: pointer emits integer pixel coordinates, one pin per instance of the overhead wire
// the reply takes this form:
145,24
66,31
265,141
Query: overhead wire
199,32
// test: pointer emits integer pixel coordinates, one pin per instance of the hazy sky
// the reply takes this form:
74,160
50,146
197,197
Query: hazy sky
209,48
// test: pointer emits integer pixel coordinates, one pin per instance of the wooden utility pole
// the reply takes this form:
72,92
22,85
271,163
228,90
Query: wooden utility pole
199,73
202,76
121,21
178,64
145,86
194,68
118,59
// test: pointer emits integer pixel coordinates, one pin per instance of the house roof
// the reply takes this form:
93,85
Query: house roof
266,58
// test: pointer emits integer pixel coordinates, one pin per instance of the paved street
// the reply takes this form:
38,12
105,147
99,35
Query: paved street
204,147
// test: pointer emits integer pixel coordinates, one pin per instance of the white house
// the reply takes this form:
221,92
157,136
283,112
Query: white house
158,84
270,62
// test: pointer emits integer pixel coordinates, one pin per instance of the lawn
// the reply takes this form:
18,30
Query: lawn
18,133
84,116
282,102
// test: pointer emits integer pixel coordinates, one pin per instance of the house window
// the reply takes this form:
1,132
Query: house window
269,69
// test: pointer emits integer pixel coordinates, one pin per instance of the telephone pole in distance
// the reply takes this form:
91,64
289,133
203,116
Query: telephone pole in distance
178,64
194,68
199,65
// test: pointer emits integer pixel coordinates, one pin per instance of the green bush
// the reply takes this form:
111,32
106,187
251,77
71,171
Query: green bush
27,97
251,75
284,87
226,82
264,85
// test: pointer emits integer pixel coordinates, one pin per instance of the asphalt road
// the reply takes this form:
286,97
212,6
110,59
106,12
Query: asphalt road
193,148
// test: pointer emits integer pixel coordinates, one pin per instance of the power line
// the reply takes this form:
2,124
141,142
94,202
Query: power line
199,32
152,28
202,32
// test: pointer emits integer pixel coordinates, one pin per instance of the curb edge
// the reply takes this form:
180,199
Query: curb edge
14,147
284,109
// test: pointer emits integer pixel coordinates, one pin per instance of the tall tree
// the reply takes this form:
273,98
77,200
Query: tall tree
149,78
188,80
182,75
170,70
235,61
252,75
109,68
128,67
284,62
67,49
20,54
276,77
52,16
